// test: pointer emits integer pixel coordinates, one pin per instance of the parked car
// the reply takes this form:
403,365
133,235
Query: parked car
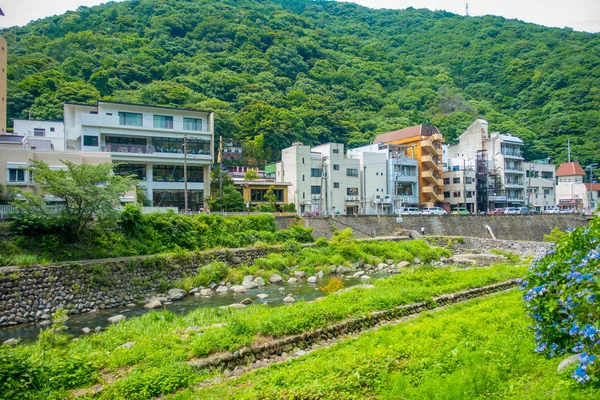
409,211
433,211
522,210
534,211
568,211
461,211
551,210
497,211
511,210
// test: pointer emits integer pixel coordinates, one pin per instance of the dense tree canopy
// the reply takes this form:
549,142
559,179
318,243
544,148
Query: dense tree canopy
277,71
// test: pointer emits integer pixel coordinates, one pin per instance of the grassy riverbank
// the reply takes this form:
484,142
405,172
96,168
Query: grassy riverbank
155,363
480,349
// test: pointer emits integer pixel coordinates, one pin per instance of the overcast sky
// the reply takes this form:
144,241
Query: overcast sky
582,15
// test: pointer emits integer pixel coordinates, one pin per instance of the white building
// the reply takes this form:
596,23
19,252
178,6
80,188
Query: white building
540,181
148,142
41,135
322,179
498,164
389,178
571,192
460,181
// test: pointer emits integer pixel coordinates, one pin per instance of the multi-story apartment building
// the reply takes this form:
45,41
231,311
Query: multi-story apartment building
388,177
322,178
498,164
460,187
3,72
540,182
425,145
41,135
148,142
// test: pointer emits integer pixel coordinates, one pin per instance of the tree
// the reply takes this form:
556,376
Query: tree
251,175
231,200
86,191
7,194
271,197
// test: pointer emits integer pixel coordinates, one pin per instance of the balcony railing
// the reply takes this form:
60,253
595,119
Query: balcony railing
352,198
147,149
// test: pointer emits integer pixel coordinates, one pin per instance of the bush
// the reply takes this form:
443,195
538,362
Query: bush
562,291
333,286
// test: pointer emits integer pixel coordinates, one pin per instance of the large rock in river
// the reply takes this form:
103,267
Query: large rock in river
275,278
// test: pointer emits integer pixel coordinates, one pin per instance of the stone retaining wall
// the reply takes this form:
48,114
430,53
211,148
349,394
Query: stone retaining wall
479,245
287,344
507,227
34,293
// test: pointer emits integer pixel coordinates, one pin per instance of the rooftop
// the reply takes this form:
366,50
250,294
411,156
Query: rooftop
570,169
406,133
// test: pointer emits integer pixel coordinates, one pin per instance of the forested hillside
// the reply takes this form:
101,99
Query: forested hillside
315,71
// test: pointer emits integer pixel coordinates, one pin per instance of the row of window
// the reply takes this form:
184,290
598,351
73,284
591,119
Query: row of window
162,173
457,193
119,144
468,180
159,121
349,191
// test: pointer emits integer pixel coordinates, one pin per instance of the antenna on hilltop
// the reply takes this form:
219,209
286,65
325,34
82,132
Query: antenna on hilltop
467,10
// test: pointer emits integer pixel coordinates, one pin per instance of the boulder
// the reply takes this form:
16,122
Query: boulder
206,292
194,328
85,330
275,278
320,274
289,299
342,270
312,279
300,274
176,292
402,264
237,305
567,361
222,289
262,296
365,277
246,301
238,289
381,266
417,260
153,304
176,297
358,274
259,281
126,345
116,319
249,283
389,261
11,341
194,290
292,280
98,329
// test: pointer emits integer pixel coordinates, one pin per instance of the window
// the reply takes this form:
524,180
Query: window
336,167
302,160
547,175
336,151
258,195
470,193
130,119
315,172
456,194
16,175
39,132
302,178
336,185
139,170
547,191
175,145
446,195
456,180
315,190
446,181
352,191
192,124
163,122
90,140
174,173
351,172
469,180
404,189
51,129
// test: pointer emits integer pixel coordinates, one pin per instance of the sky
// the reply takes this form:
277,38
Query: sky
581,15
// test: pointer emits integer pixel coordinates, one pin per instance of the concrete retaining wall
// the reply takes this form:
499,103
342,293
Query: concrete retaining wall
507,227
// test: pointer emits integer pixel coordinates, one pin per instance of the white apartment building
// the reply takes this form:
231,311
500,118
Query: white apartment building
389,178
460,181
322,178
498,164
41,135
541,186
148,142
571,192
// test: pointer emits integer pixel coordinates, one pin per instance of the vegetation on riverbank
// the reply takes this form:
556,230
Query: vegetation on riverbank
479,349
135,234
155,363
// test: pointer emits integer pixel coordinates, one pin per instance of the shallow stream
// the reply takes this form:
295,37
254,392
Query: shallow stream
300,290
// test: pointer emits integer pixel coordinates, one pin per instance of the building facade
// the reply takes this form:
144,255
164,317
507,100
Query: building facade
323,180
148,142
425,145
41,135
571,192
254,191
389,178
541,185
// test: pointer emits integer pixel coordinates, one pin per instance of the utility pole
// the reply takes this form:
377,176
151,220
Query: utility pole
185,187
465,183
221,172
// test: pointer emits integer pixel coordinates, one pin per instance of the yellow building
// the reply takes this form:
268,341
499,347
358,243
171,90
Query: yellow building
425,144
254,191
3,67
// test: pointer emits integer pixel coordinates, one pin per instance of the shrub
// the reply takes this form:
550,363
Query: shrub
562,291
554,236
333,286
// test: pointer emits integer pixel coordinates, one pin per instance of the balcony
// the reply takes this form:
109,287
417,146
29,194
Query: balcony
431,177
431,193
437,137
315,197
512,154
352,198
517,184
428,144
383,200
429,161
111,124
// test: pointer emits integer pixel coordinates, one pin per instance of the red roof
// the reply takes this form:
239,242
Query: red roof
412,131
570,169
595,186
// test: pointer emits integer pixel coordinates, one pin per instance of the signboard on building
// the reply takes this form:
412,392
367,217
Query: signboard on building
497,198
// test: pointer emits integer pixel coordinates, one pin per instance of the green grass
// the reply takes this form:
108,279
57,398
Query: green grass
476,350
161,346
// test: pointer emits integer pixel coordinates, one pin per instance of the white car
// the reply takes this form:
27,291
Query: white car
511,210
409,211
551,210
433,211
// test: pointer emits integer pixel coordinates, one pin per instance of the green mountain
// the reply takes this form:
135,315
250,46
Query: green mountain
279,71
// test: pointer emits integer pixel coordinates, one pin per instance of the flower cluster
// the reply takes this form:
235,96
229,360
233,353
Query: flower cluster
561,295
